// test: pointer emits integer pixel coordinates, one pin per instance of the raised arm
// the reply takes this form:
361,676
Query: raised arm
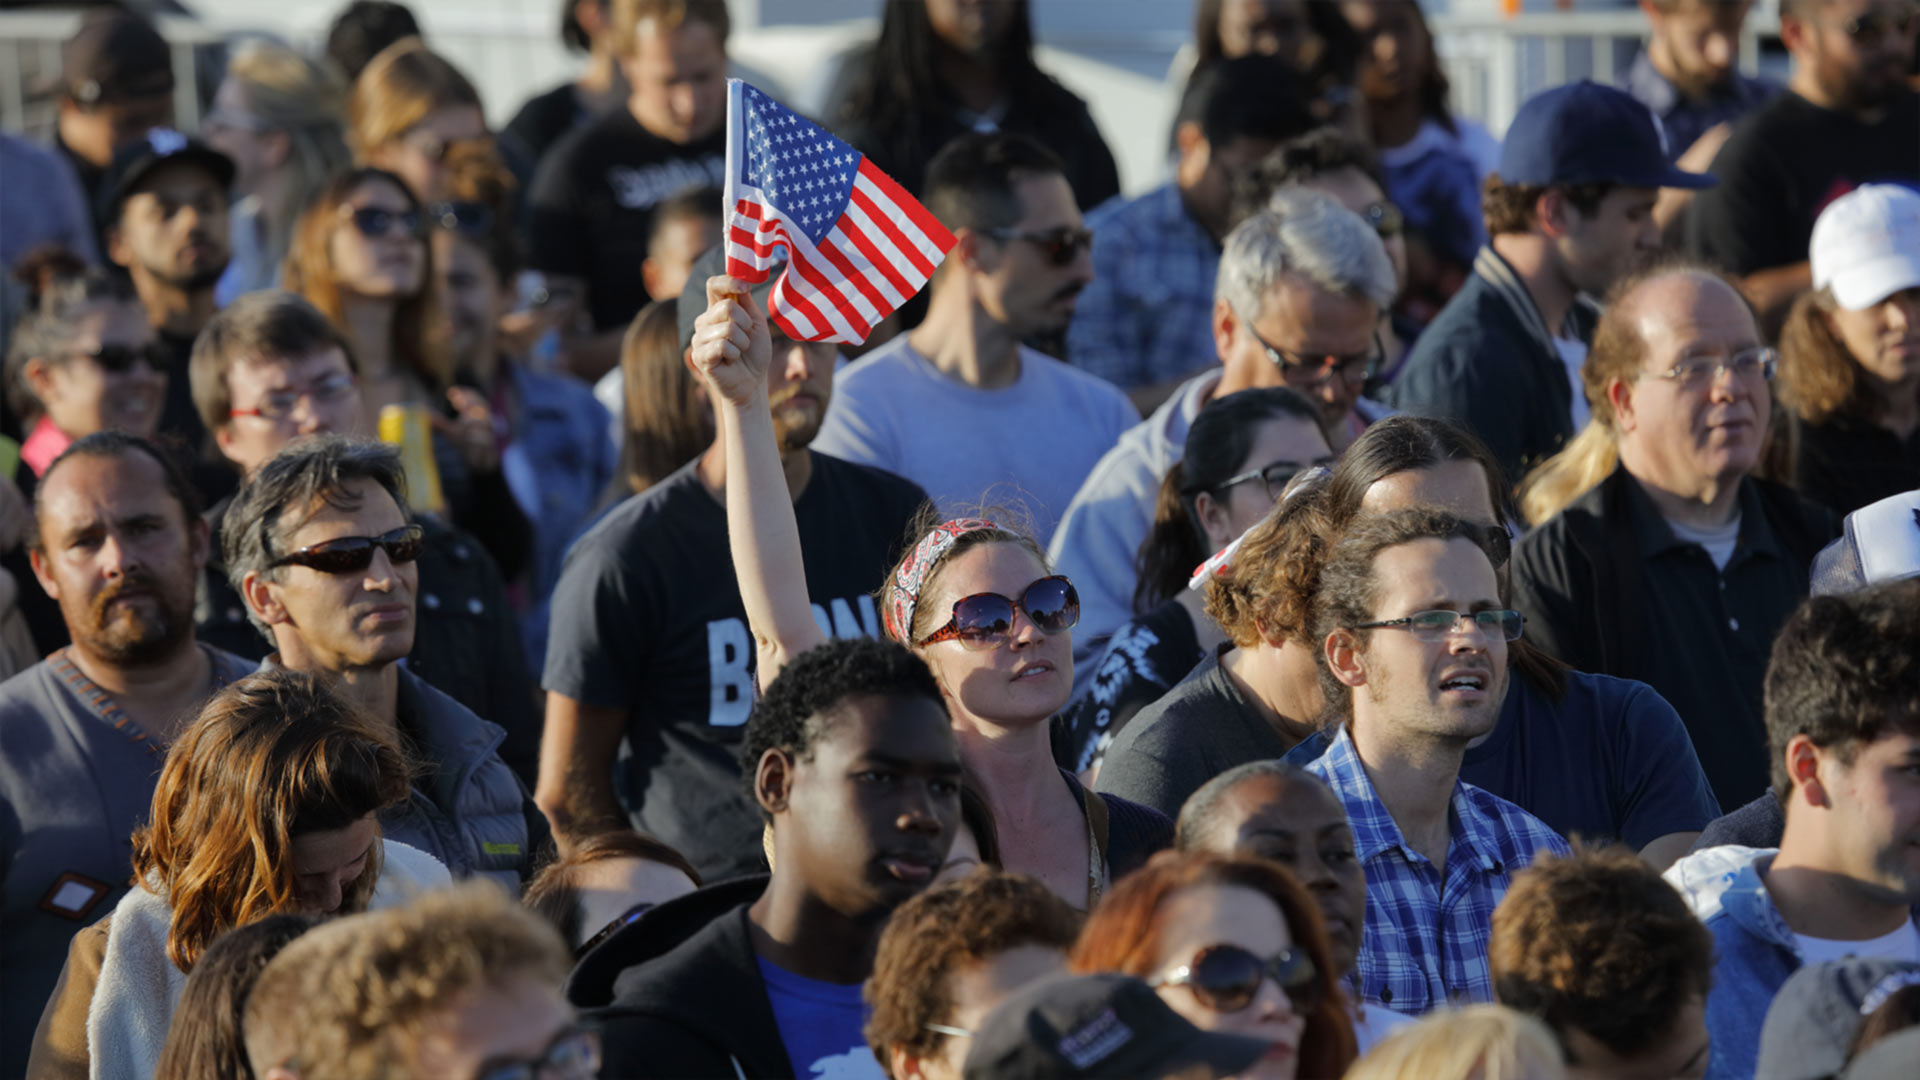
732,351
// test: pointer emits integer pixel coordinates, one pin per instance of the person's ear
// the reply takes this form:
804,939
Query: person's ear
1550,210
257,591
1803,771
1226,327
119,251
905,1066
1346,659
1794,33
1193,151
1214,520
1620,396
40,573
967,252
278,144
39,375
650,278
773,781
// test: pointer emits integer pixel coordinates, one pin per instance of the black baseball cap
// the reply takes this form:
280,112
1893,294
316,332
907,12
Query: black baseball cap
115,56
136,161
1083,1027
1586,133
693,295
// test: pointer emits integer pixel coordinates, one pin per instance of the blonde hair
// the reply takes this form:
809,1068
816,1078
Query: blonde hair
1479,1042
307,102
402,85
364,987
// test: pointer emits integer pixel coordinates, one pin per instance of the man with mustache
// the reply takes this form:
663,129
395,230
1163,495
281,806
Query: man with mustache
118,541
1676,566
958,405
648,643
163,212
1414,659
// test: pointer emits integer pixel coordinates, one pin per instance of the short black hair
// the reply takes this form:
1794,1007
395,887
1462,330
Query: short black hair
1300,160
970,181
1252,97
1845,671
363,29
786,718
114,444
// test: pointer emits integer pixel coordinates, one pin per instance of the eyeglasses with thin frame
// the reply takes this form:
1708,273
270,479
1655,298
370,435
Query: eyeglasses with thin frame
352,554
1439,624
1701,371
947,1029
1226,978
1311,373
1275,477
982,621
276,405
574,1054
119,359
1060,246
374,222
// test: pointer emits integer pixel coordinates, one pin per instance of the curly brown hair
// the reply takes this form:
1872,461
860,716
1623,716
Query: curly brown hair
943,930
1123,935
1819,378
1509,208
1596,942
271,757
1269,598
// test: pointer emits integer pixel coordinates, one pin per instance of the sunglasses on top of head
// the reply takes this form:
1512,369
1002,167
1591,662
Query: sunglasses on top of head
352,554
1226,978
1060,246
375,222
983,620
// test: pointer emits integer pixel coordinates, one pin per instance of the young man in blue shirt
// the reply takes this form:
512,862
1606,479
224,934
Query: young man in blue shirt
850,757
1414,651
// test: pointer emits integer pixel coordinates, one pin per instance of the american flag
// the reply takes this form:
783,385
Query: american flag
857,245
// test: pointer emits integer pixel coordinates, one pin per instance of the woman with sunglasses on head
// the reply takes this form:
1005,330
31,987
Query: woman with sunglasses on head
269,804
408,110
973,599
360,255
1233,945
1241,452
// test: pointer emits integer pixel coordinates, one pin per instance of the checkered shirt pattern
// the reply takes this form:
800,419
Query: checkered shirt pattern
1426,937
1147,317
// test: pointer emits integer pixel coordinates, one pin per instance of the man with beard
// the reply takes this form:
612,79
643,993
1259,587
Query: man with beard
163,210
649,644
852,763
1414,654
1687,74
1847,118
119,543
1031,426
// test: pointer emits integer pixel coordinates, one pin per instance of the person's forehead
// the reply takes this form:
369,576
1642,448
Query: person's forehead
1420,566
372,511
692,42
1459,487
1282,804
1046,201
86,485
906,728
997,566
1350,186
273,371
379,192
1679,311
178,181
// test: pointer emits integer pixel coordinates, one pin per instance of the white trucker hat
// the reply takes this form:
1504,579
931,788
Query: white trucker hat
1866,245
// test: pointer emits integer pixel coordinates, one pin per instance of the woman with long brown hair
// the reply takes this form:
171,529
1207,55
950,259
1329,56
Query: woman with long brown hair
267,805
1233,945
409,109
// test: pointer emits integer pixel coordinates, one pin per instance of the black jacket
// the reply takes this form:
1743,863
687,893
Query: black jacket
466,638
678,992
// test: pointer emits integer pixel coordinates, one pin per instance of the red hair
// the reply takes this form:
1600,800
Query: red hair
1123,935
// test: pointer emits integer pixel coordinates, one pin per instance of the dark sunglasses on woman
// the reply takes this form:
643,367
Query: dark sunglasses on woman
119,359
1226,978
375,222
352,554
982,621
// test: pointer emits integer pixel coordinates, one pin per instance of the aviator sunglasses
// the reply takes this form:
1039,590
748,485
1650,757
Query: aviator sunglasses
982,621
352,554
1226,978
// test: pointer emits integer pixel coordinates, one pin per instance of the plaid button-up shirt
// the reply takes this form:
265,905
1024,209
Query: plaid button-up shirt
1426,936
1147,316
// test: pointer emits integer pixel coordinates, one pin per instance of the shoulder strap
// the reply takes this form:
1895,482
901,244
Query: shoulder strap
1097,819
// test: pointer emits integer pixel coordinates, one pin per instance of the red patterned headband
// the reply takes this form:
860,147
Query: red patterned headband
912,575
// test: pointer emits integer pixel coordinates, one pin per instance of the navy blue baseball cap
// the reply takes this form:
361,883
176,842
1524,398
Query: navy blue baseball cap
1586,133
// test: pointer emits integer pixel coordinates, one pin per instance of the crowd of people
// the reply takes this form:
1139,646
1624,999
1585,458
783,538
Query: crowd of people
1391,602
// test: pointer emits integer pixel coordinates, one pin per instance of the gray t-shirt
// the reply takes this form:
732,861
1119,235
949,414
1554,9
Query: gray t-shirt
1200,729
1028,445
76,776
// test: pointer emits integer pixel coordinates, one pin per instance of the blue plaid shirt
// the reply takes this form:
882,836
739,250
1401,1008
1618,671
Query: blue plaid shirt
1147,317
1686,120
1425,942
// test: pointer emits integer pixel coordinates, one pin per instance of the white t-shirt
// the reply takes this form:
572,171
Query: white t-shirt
1902,944
1574,355
1719,542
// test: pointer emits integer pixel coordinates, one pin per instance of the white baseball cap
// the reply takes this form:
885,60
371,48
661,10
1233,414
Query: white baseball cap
1866,245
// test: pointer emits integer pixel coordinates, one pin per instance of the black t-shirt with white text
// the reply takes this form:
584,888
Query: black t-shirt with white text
592,203
647,618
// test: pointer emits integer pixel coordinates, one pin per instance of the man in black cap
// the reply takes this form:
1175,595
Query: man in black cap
1568,213
1073,1026
116,82
163,215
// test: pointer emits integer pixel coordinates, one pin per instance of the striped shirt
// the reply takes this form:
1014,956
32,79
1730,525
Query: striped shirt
1427,932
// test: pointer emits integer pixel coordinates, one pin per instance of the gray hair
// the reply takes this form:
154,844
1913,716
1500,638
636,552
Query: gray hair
306,472
1306,233
1201,812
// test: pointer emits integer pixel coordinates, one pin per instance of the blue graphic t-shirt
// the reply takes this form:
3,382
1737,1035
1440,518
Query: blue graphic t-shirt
820,1023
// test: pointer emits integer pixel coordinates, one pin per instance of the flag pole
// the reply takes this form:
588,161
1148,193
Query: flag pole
736,160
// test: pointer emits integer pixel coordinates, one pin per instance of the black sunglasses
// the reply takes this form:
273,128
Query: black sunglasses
470,219
1061,246
119,359
1226,978
1312,372
375,221
352,554
983,620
